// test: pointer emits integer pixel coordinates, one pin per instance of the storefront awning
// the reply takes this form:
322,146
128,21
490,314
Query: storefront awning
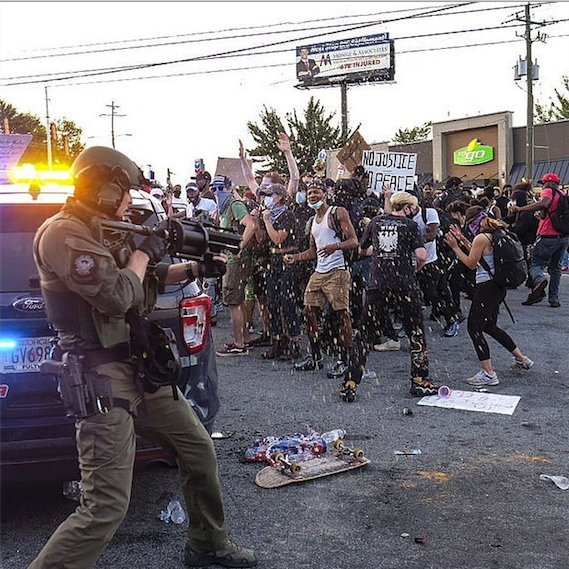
559,167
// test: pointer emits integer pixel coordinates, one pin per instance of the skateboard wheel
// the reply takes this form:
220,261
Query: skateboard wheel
339,444
295,467
358,453
278,456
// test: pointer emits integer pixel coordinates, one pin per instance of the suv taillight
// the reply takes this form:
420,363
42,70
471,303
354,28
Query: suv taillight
196,315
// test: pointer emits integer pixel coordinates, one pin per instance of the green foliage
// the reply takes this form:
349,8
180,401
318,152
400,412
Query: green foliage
557,110
27,123
415,134
308,134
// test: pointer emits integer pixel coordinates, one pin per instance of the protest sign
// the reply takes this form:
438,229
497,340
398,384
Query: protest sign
350,155
12,146
474,401
231,167
394,168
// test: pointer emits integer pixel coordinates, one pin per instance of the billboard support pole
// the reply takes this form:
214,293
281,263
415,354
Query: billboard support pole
344,95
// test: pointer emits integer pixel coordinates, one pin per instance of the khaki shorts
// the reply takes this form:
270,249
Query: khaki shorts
234,282
333,287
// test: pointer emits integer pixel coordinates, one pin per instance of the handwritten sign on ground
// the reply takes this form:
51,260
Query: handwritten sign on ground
394,168
473,401
231,167
350,155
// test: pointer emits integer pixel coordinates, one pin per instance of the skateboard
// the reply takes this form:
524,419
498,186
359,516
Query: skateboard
285,471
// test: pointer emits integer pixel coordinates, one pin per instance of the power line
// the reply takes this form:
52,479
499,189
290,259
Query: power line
287,64
229,30
230,53
209,39
87,73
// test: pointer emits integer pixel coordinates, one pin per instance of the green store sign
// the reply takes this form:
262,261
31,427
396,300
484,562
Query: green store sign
473,154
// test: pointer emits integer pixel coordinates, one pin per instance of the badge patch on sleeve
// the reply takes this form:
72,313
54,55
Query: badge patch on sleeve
83,268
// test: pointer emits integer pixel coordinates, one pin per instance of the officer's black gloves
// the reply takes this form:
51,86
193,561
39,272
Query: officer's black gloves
154,247
211,268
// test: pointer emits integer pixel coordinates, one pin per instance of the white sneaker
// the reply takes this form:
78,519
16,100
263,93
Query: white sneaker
526,363
388,346
482,378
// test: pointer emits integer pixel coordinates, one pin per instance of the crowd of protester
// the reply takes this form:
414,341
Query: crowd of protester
355,270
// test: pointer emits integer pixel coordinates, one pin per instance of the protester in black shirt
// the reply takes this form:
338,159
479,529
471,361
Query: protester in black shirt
454,190
396,243
282,279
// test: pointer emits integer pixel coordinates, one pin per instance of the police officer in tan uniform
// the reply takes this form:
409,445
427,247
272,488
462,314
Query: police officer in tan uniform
88,288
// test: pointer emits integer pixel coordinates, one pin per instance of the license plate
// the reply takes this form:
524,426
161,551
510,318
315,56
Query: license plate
26,356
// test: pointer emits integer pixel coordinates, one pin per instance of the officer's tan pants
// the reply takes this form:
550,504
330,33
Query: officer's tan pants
106,445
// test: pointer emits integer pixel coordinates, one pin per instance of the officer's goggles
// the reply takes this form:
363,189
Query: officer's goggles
102,173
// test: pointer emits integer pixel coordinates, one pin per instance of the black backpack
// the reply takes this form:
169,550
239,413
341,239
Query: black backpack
510,267
560,217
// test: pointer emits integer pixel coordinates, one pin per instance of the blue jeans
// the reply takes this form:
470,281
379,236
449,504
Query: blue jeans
547,254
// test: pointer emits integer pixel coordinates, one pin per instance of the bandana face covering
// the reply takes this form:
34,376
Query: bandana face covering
474,226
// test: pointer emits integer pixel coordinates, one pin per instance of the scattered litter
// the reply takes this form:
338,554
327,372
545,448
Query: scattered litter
369,376
407,411
404,535
72,490
531,426
221,434
471,401
444,391
174,513
421,540
560,481
481,389
408,451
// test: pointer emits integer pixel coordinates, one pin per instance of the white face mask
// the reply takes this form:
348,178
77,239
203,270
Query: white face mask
300,198
316,205
269,202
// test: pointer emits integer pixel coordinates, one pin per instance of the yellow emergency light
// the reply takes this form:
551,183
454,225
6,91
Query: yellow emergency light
29,173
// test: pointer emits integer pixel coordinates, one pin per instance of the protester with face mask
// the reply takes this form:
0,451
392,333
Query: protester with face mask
196,203
398,252
330,282
282,280
483,315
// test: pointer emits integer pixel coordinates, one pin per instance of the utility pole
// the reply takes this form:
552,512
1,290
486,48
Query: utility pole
113,114
48,132
531,71
344,95
529,119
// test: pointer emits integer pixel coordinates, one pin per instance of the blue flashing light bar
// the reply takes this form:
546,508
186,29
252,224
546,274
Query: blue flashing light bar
7,344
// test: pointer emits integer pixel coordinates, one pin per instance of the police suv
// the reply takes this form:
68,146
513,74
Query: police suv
37,439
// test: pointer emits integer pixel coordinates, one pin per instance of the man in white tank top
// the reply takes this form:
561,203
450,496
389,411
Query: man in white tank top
331,233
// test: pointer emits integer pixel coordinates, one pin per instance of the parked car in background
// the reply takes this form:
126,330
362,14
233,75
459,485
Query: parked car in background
37,439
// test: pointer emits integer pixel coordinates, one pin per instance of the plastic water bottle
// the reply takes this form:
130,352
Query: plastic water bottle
331,436
177,514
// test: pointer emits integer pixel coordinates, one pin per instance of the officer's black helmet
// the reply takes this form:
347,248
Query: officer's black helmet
102,176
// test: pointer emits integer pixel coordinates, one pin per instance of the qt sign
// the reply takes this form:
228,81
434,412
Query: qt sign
473,154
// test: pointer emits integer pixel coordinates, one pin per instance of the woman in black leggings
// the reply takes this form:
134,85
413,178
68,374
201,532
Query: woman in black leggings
483,315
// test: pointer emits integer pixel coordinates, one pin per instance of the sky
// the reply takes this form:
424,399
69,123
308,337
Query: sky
203,111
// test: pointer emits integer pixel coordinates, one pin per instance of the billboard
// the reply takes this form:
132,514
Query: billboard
355,60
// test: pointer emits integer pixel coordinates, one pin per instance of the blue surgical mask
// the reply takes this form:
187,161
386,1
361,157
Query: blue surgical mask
316,205
300,198
269,202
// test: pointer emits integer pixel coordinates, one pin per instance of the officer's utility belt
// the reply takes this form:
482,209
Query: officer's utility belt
83,391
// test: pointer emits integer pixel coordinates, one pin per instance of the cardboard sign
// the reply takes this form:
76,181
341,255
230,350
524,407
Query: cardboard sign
394,168
474,401
231,167
12,146
351,153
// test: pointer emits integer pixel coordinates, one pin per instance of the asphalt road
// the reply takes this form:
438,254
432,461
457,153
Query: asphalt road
474,494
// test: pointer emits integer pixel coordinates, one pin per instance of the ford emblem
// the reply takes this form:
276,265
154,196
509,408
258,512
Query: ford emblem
29,304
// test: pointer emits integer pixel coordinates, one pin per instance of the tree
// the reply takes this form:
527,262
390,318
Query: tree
308,134
66,144
415,134
557,110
